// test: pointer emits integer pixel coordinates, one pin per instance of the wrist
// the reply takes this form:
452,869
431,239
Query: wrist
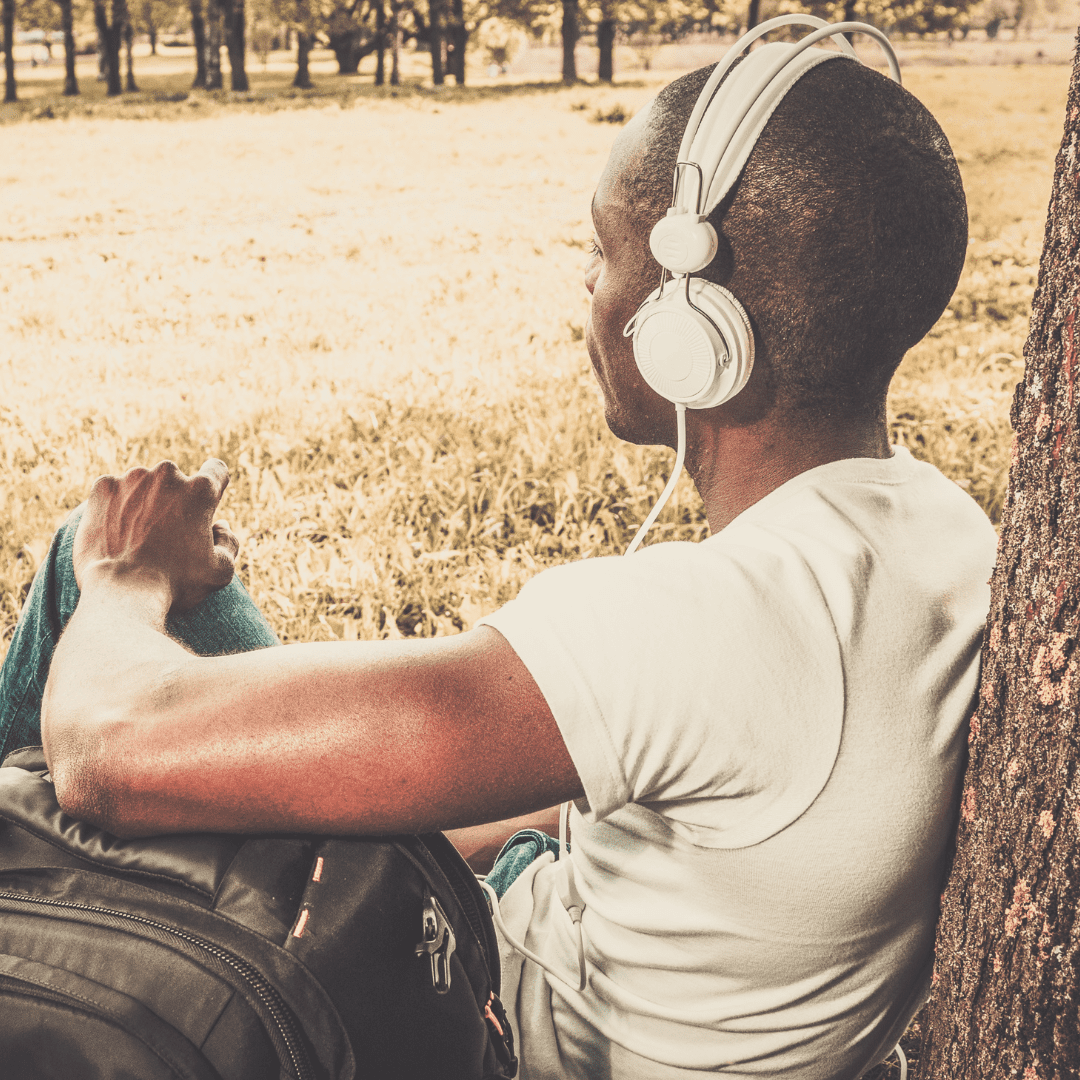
146,588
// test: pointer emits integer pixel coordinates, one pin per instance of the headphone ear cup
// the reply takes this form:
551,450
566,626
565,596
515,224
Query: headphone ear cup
699,353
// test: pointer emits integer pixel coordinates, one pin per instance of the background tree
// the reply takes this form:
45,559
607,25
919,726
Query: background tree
436,39
234,17
153,16
1007,993
214,19
380,35
111,31
395,42
353,32
605,41
8,12
571,31
67,24
305,36
129,40
198,35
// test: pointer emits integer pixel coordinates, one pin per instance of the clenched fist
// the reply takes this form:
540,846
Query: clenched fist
154,528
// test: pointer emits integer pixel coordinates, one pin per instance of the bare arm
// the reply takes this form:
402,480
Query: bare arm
372,737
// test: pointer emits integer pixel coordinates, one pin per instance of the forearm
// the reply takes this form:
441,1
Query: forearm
113,669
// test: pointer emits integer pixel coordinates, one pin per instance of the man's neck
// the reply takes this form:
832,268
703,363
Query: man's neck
734,467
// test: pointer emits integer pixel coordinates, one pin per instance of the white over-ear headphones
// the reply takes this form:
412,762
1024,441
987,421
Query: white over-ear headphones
692,339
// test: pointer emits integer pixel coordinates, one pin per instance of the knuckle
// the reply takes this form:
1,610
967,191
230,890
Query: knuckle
168,471
103,485
202,486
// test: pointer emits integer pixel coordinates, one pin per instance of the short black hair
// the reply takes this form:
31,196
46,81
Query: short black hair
844,237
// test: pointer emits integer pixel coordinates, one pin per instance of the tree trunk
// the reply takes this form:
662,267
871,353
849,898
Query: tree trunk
436,41
71,84
110,35
753,16
198,34
605,40
459,37
303,49
151,30
380,49
570,35
395,42
129,39
236,43
10,90
1007,982
849,16
214,79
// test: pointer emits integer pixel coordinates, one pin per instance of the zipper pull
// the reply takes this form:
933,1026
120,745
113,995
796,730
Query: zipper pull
437,941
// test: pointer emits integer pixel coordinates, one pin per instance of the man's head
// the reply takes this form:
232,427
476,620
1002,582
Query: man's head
843,239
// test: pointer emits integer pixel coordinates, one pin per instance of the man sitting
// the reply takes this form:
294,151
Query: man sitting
762,733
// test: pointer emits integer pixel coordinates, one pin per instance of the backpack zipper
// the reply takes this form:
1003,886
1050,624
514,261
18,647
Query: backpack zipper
280,1013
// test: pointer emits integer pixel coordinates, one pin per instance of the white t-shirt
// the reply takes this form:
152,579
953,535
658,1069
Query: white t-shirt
769,728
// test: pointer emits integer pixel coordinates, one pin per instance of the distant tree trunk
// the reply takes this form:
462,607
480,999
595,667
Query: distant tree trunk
303,50
151,31
570,35
214,80
71,84
380,36
605,40
198,34
753,16
110,34
436,40
1006,1002
395,42
849,16
129,39
459,37
236,43
10,90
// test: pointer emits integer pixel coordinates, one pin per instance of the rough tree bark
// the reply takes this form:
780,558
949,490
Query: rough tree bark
1007,983
570,35
236,42
10,90
198,34
111,34
71,84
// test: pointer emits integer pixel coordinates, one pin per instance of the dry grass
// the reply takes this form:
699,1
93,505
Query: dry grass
374,315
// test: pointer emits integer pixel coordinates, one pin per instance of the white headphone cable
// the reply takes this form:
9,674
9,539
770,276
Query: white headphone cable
517,946
676,472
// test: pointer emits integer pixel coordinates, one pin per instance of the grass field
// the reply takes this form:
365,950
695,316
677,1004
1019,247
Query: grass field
374,314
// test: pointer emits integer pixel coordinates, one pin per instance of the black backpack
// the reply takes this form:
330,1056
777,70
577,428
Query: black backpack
211,957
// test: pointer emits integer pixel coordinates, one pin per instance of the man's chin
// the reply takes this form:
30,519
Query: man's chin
631,429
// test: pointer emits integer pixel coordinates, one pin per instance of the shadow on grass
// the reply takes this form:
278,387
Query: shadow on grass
170,97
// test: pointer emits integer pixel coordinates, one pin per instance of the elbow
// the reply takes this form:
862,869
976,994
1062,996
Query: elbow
84,774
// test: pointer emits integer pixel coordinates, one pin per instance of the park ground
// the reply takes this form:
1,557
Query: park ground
371,307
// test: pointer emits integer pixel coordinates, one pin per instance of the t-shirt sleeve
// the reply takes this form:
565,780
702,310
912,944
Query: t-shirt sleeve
701,681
